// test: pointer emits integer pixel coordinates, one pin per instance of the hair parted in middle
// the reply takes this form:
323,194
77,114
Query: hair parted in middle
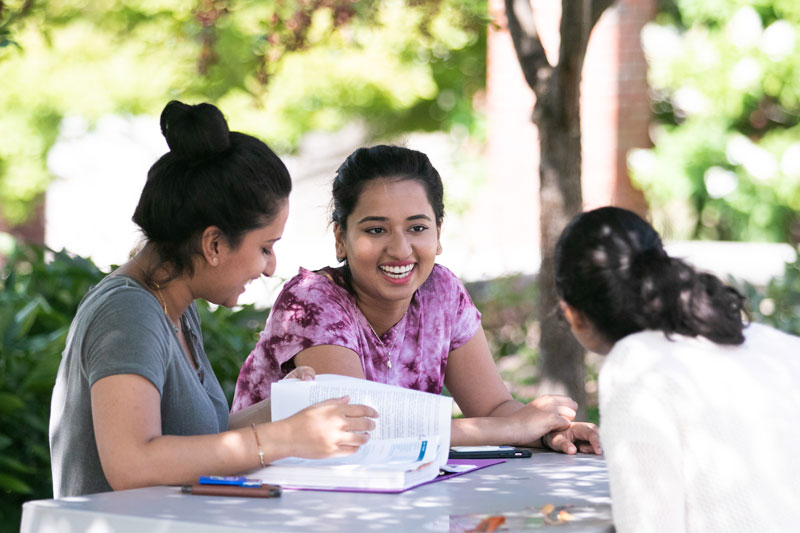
388,162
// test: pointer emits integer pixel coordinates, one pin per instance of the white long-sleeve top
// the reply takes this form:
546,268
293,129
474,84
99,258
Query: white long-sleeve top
700,437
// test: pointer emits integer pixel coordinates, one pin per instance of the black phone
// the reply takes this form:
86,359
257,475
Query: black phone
488,452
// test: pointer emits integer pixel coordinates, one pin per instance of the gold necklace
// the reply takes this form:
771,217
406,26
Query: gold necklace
164,305
388,351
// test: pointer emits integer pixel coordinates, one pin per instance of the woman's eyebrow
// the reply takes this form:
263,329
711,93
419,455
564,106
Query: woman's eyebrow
384,219
373,219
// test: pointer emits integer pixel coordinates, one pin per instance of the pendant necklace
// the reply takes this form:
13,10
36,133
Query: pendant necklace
388,350
160,296
198,369
164,305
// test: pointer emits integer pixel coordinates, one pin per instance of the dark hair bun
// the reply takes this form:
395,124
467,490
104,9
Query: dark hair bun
194,132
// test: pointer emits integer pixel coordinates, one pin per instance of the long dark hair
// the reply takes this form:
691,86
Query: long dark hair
210,177
611,266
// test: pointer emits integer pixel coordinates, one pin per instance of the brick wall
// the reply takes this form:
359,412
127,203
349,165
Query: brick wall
31,231
615,111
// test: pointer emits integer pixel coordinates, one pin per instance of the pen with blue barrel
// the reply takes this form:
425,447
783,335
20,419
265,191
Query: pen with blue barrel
237,486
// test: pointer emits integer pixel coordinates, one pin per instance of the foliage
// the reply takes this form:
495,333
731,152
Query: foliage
508,315
39,296
779,303
37,301
726,86
277,68
228,337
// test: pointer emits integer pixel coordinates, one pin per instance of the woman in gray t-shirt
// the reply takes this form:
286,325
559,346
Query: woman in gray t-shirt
136,402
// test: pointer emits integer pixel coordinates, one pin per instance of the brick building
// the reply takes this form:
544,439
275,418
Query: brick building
615,114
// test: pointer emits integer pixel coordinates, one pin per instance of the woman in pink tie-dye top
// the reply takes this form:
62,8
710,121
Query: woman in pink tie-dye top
390,314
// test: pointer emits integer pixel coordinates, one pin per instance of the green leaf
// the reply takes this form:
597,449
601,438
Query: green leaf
9,463
10,403
13,484
26,316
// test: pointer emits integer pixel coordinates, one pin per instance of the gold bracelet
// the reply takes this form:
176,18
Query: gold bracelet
258,443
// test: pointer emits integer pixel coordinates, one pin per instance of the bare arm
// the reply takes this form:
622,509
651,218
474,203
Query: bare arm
127,424
492,416
259,413
330,359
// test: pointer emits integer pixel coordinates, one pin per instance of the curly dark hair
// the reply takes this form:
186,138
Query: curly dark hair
611,266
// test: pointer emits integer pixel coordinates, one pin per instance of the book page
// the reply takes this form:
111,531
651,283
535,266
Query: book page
404,413
384,452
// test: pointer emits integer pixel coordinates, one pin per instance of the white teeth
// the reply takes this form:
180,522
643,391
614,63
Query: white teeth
397,272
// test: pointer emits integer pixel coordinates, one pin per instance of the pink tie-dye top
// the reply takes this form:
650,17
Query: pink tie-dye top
314,310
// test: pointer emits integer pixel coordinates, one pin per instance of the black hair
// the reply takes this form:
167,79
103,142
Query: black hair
383,161
210,177
611,266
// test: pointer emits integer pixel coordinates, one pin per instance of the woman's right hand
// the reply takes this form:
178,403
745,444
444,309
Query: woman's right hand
541,416
561,405
330,428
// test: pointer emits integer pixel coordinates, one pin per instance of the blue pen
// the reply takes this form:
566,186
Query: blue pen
240,481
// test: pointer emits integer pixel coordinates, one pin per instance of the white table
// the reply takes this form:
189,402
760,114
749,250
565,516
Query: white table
517,489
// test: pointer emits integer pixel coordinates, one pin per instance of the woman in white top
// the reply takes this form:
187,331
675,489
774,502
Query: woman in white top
699,412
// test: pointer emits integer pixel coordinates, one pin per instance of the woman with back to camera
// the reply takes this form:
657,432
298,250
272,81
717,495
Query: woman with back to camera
698,412
391,315
136,402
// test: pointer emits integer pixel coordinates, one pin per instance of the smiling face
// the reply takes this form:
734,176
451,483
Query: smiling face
254,257
391,242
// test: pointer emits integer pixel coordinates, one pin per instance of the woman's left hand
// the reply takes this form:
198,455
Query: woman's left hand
578,437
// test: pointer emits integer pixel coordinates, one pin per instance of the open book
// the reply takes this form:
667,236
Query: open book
409,445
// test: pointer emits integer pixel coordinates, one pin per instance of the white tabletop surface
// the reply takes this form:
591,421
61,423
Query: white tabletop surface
517,489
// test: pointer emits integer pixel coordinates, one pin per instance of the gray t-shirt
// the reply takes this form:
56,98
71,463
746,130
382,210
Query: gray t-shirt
120,328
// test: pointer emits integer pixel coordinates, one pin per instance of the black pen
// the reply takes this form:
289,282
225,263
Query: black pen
265,490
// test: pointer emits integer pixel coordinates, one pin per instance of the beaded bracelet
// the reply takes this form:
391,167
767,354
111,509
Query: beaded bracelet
258,443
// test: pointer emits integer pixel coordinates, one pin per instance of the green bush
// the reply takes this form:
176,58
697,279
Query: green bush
39,295
778,304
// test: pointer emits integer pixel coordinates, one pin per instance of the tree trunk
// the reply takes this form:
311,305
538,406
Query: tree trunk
561,357
557,117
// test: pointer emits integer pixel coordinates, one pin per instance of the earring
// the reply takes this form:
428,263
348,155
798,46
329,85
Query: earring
214,261
438,249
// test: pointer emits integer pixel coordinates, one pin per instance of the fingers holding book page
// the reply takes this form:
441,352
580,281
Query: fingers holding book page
329,428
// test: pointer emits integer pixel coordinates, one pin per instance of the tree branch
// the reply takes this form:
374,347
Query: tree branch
598,7
530,52
578,18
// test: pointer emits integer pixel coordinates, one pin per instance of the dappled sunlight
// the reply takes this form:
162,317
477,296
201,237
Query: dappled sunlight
518,489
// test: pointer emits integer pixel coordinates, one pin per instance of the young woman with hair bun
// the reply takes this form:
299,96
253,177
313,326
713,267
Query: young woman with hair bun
698,410
136,402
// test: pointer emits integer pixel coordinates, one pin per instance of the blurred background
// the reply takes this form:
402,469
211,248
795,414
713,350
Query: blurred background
685,111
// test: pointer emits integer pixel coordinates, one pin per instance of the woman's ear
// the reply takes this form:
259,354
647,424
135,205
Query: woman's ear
338,234
575,318
584,330
212,244
438,238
